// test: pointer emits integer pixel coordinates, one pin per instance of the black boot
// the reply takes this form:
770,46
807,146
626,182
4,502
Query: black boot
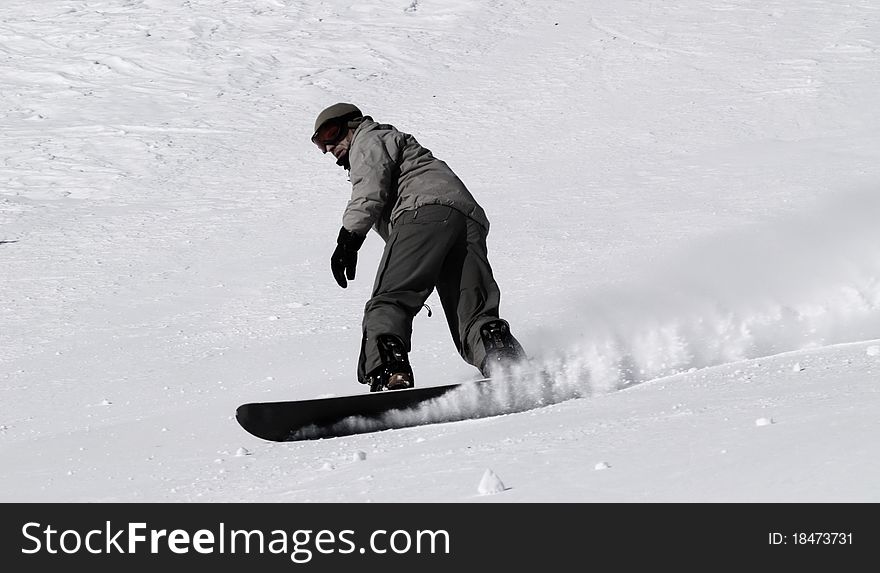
394,373
502,349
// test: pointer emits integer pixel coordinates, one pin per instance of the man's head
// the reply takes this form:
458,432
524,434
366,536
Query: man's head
333,130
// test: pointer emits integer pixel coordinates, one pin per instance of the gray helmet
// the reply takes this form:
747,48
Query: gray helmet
337,111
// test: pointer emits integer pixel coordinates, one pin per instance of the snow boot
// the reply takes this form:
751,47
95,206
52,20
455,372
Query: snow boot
394,373
502,349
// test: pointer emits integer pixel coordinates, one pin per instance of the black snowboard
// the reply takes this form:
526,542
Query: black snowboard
318,418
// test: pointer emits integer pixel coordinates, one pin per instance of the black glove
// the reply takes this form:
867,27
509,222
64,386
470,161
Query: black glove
344,259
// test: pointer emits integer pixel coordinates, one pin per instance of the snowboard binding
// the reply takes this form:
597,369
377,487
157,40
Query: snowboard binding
395,373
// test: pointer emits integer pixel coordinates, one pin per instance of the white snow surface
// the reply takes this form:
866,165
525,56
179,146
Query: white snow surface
684,198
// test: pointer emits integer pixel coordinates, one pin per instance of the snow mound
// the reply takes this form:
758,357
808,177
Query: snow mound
490,484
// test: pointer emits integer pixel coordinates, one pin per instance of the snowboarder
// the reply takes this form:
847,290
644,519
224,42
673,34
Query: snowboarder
435,237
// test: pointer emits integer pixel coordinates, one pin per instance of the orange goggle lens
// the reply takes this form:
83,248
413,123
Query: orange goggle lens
329,134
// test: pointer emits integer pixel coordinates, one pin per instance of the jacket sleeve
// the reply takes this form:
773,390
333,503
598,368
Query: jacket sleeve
374,172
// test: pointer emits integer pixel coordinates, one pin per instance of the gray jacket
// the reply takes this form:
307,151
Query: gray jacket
391,174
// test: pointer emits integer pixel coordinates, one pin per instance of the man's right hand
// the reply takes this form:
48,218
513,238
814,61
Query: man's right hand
344,259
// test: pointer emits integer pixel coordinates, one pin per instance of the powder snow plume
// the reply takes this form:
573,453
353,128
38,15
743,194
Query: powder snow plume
801,282
522,388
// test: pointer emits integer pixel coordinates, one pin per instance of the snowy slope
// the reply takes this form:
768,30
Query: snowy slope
683,197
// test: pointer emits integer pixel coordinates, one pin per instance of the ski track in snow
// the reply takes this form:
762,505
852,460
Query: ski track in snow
698,183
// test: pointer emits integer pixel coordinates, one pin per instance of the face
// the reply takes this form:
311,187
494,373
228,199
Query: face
335,139
340,150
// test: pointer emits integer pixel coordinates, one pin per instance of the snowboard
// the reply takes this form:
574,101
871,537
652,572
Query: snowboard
320,417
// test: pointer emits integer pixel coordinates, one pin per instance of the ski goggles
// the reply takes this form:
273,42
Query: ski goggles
330,133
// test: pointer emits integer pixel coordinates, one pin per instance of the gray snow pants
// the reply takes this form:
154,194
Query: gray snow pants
434,246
